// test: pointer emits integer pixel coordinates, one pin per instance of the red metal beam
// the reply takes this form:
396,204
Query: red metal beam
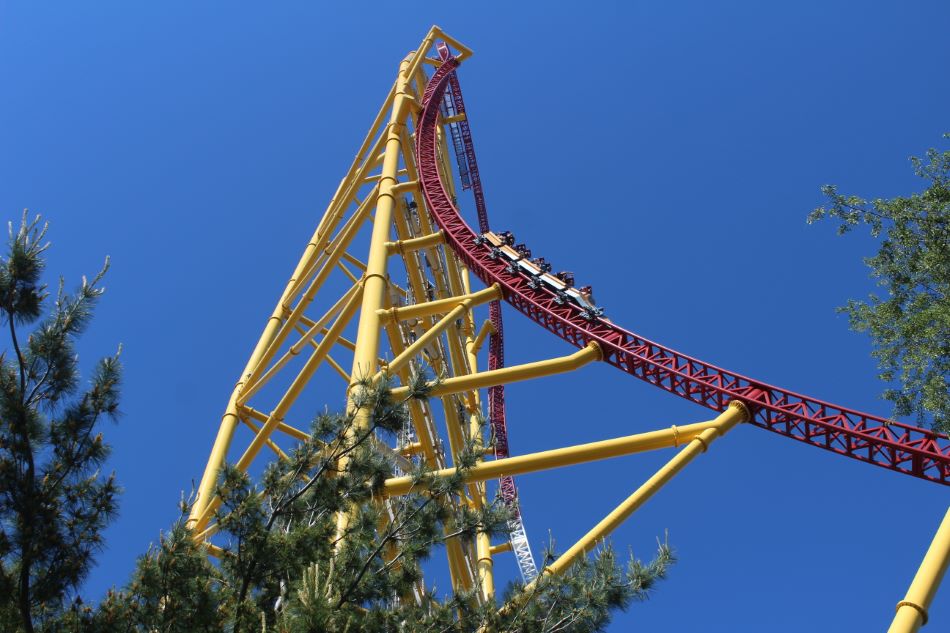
904,448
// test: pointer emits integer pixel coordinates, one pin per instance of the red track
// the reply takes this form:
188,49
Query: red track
496,341
908,449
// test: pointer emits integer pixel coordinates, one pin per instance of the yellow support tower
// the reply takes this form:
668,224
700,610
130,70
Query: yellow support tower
410,305
381,290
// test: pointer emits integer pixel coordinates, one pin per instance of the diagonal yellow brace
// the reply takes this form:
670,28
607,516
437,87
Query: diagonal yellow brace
559,457
340,244
912,610
277,415
438,306
464,305
506,375
735,413
317,326
486,329
260,416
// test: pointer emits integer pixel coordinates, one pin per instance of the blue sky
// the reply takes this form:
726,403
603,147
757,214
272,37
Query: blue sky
667,153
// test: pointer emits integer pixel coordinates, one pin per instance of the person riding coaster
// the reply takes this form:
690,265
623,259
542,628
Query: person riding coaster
538,271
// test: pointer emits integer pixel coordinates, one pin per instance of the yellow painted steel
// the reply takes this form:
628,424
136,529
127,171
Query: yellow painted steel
439,306
404,246
270,444
485,566
483,556
733,415
560,457
277,415
381,188
375,279
283,406
252,386
345,192
912,610
485,330
464,305
421,331
260,416
506,375
446,283
339,247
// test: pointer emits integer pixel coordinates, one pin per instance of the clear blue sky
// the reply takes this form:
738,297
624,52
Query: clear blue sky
667,152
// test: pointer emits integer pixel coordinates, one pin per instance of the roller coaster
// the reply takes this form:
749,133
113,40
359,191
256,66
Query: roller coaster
416,294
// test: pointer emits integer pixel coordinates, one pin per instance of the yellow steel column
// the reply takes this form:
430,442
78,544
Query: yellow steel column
484,564
375,279
912,610
422,420
344,193
375,282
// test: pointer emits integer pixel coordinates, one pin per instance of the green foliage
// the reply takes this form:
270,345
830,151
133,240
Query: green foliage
584,597
910,328
54,503
287,565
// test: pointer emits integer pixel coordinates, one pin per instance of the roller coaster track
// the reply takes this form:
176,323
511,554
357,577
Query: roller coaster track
468,174
410,307
904,448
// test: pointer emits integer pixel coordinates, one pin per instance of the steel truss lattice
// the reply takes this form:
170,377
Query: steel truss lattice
413,300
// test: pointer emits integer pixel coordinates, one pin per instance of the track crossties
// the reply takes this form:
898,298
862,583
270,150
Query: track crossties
907,449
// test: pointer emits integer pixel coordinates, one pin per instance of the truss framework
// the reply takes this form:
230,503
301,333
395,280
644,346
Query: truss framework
386,283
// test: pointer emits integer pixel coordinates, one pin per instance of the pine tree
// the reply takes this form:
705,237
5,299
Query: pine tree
54,503
283,568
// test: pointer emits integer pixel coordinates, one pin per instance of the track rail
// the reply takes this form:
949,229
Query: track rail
904,448
471,179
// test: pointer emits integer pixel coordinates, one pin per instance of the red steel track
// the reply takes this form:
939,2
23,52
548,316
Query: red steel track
907,449
496,341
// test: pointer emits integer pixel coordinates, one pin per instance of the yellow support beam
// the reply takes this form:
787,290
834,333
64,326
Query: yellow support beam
270,443
500,548
733,415
213,549
464,51
438,306
484,565
345,193
356,262
260,416
375,280
486,329
252,386
560,457
464,305
340,243
415,243
277,415
912,610
506,375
